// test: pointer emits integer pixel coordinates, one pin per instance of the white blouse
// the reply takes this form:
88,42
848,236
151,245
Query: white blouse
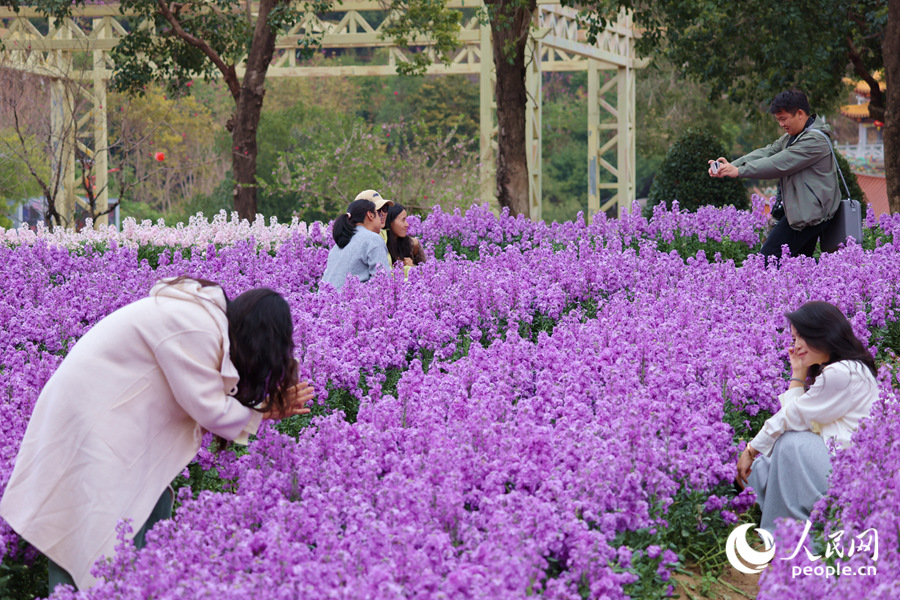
842,394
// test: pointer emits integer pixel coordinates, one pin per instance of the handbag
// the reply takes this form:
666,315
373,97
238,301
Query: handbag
847,221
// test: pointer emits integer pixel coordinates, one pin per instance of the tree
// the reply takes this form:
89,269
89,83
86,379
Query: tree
28,138
510,22
331,157
199,38
749,51
510,26
171,42
162,149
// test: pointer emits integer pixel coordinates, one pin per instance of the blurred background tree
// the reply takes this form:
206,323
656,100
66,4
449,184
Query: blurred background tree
302,116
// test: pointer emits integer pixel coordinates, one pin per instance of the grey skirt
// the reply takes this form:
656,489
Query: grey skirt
790,481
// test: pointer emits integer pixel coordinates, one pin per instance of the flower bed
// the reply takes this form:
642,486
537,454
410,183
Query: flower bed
547,409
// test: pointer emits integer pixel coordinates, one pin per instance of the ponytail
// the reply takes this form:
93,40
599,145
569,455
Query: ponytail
345,225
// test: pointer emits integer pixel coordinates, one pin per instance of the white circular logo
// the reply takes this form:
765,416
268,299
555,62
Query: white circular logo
740,554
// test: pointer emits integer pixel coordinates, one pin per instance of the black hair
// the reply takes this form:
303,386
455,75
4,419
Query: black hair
261,333
825,328
399,248
790,101
345,225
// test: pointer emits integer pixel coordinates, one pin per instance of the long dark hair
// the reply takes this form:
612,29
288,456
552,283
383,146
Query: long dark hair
345,225
260,330
825,328
399,248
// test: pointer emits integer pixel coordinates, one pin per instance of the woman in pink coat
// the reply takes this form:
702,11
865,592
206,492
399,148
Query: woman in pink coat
127,409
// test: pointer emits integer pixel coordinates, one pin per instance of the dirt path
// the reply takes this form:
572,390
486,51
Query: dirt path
731,585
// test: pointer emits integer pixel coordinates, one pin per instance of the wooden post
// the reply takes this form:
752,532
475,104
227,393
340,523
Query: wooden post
488,170
533,135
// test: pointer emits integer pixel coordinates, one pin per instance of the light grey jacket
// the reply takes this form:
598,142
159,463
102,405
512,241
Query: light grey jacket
363,255
806,170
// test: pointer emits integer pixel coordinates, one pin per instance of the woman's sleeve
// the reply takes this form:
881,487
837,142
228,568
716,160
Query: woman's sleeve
191,362
830,398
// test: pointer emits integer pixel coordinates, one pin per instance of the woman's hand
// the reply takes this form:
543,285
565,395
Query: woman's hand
745,465
408,262
798,369
295,398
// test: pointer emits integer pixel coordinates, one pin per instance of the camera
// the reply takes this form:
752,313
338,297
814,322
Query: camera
714,166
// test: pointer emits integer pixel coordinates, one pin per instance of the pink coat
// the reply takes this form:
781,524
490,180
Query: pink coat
122,416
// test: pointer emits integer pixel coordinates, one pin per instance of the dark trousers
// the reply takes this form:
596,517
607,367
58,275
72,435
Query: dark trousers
163,510
799,242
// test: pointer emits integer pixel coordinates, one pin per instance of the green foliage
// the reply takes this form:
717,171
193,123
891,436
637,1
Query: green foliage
335,157
21,577
415,18
670,105
384,100
713,250
208,204
565,143
17,158
683,176
743,424
139,211
446,102
750,51
887,340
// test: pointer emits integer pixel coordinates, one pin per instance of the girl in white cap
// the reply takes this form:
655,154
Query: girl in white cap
359,250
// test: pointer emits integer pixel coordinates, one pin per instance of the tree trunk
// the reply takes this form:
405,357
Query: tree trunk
891,52
247,112
510,24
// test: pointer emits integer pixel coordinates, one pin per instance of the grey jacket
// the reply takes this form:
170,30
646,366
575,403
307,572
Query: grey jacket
363,255
806,170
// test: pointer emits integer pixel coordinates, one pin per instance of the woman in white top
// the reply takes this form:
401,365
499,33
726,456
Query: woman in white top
832,387
126,411
359,249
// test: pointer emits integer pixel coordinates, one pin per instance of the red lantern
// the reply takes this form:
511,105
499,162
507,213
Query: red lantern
160,156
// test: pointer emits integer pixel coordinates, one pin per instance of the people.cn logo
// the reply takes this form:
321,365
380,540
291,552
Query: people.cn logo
744,558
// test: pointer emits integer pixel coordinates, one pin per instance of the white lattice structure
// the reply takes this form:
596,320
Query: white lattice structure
557,44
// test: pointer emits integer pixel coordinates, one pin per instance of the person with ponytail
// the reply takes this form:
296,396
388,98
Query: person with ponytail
401,246
832,387
358,248
127,409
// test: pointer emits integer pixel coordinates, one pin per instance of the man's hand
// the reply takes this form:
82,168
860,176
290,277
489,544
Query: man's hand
726,169
295,400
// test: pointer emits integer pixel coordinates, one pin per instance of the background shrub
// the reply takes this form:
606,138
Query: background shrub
683,176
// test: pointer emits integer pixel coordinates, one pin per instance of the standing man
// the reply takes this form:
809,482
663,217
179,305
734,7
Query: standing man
801,161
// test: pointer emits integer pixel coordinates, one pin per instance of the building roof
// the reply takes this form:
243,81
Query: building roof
863,88
875,189
857,112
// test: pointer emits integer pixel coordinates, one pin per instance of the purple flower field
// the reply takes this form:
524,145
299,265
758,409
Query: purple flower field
540,410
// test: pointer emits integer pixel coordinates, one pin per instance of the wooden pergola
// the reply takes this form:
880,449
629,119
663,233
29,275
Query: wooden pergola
73,54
